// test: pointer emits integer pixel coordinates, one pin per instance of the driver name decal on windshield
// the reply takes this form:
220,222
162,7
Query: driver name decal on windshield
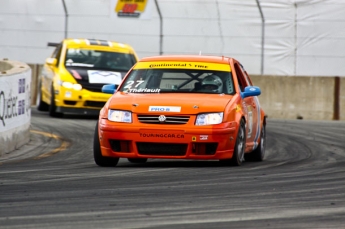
147,90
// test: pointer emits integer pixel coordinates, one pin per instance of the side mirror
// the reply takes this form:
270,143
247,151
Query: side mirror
51,61
109,88
251,91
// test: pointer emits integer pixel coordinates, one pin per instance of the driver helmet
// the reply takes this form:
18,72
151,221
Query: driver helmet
212,83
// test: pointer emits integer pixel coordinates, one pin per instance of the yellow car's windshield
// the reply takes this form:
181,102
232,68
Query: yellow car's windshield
111,61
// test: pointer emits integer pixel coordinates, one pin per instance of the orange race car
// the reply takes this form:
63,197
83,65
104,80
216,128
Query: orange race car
182,107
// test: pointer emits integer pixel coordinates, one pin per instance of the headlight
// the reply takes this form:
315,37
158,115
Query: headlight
119,116
70,85
209,119
77,87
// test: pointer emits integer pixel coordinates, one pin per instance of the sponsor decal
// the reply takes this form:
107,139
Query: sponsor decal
131,9
104,77
76,75
8,106
168,65
250,123
258,127
152,135
245,107
15,100
238,108
164,109
183,65
203,137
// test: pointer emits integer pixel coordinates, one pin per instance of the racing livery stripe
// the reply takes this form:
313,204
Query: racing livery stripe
258,130
183,65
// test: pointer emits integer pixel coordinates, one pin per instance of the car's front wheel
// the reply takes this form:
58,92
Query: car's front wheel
100,160
259,153
240,145
41,106
52,106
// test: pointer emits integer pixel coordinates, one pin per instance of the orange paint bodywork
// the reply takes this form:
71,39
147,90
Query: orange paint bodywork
207,142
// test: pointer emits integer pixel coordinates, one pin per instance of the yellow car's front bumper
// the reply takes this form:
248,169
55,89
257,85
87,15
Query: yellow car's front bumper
79,102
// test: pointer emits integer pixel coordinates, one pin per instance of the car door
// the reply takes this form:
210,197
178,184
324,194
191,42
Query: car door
251,107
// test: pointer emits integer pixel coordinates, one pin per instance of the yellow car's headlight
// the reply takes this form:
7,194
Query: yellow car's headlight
70,85
209,119
120,116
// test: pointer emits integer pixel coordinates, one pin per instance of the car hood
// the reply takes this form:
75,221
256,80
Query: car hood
182,103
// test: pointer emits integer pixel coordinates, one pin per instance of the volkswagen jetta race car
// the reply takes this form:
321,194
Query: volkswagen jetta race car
182,107
72,78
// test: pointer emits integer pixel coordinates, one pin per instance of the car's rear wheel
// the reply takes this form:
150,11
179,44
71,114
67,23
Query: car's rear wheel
137,160
259,153
41,106
240,145
100,160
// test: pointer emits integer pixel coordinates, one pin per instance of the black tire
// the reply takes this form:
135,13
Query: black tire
52,106
41,106
238,156
137,160
97,154
259,153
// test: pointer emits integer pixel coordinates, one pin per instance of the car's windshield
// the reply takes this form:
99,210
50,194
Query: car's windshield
111,61
178,81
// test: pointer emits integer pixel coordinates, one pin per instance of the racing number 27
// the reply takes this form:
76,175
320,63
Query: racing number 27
131,82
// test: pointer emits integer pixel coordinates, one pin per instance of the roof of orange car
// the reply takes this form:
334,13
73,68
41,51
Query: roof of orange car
192,58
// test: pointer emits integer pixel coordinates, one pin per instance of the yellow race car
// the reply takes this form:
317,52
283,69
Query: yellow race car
72,78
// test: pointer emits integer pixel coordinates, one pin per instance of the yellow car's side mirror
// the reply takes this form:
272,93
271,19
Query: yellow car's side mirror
51,61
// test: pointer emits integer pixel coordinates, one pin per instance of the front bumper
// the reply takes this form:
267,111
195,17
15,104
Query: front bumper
80,102
169,142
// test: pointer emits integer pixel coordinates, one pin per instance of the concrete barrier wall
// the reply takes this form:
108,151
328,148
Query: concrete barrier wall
342,99
301,97
15,106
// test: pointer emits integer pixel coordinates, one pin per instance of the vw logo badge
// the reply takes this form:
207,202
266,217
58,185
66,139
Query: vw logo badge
162,118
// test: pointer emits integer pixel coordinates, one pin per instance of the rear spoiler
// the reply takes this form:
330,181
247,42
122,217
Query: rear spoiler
53,44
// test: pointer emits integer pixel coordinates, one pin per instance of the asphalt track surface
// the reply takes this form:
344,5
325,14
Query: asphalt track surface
53,183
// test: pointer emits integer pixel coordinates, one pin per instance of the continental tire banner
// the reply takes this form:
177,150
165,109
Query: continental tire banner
140,9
